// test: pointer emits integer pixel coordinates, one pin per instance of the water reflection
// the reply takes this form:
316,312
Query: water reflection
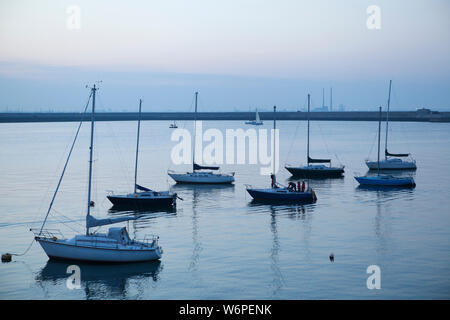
103,281
302,213
295,211
209,194
278,280
144,217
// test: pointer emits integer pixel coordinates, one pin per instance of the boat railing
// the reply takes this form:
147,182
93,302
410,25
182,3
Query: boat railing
47,233
149,240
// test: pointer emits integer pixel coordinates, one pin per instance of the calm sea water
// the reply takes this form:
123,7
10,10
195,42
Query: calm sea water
217,243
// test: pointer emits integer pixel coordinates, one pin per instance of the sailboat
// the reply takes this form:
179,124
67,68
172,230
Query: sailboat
145,197
199,175
312,170
384,180
114,246
257,121
392,161
278,193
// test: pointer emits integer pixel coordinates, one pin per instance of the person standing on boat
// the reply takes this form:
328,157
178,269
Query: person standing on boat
303,186
274,181
299,186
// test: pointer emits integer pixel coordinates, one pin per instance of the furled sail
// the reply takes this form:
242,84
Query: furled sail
92,222
311,160
395,154
198,167
142,188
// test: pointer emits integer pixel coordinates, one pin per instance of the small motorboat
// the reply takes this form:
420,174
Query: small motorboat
173,125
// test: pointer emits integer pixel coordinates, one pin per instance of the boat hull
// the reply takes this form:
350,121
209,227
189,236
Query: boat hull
187,178
254,123
271,195
379,182
60,250
392,164
313,172
140,202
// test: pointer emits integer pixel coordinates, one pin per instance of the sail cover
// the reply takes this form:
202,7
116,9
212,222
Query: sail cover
311,160
142,188
198,167
395,154
92,222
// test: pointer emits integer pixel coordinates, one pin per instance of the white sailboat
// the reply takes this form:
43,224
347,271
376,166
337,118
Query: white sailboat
113,246
392,161
384,180
144,198
198,174
257,121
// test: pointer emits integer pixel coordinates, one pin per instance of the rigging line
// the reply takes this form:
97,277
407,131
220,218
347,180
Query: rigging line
373,143
402,125
125,170
65,165
68,218
295,134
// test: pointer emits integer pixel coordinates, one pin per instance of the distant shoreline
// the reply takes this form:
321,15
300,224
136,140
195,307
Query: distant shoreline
423,115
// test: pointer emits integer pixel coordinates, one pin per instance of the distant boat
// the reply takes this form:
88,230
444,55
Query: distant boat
392,161
257,121
278,193
384,180
312,170
145,197
173,125
114,246
198,175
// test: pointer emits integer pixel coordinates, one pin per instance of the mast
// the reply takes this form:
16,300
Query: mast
323,97
387,119
307,144
137,145
379,134
91,148
331,99
274,135
195,132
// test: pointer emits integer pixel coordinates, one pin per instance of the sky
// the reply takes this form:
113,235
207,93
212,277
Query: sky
239,54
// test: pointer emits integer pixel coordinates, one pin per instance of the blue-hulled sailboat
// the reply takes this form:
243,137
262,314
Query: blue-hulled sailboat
384,180
278,193
142,197
314,167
